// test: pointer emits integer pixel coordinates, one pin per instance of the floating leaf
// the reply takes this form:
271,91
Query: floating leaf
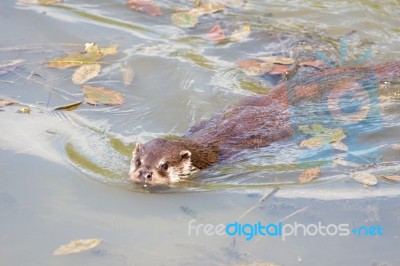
77,246
309,175
346,163
278,60
396,146
241,35
255,68
127,74
100,95
94,48
145,6
68,107
113,49
365,178
25,110
392,177
311,143
254,86
195,58
85,73
185,19
4,102
316,64
91,55
327,134
207,8
43,2
279,70
75,60
91,47
216,33
338,145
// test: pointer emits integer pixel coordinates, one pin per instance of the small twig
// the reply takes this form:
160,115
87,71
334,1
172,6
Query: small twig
259,202
294,213
7,81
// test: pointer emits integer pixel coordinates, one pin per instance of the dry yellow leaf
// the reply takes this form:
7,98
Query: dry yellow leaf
85,73
396,146
185,19
100,95
109,50
25,110
311,143
346,163
75,60
365,178
309,175
242,34
207,8
76,246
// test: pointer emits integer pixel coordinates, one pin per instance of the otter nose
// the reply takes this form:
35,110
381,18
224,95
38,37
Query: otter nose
146,175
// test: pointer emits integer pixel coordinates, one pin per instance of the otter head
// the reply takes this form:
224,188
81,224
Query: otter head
161,162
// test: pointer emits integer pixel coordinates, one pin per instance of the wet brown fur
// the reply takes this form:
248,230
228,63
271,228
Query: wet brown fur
258,121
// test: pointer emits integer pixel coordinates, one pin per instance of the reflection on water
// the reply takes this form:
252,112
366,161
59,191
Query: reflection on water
200,78
181,78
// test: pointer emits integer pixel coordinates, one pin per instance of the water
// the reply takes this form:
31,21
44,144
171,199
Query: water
64,173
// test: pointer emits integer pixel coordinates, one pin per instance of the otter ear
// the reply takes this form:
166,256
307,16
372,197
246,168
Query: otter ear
185,154
137,149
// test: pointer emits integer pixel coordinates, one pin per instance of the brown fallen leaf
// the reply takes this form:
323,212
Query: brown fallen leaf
311,143
4,102
309,175
279,70
128,74
365,178
392,177
68,107
278,60
77,246
100,95
85,73
145,6
216,33
255,68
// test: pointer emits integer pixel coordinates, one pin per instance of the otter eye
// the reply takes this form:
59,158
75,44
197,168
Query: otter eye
138,163
164,166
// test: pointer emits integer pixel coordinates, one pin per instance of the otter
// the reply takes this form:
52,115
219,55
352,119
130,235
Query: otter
256,121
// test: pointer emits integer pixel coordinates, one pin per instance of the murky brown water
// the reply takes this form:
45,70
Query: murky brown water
63,174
